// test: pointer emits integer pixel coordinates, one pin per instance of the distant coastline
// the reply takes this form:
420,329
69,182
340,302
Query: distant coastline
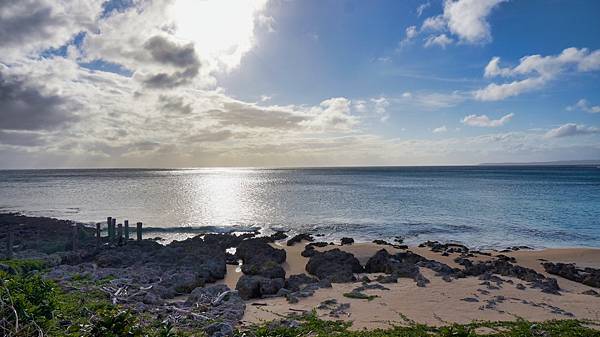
591,162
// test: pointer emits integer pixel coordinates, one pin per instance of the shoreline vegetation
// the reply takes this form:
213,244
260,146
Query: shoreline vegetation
57,283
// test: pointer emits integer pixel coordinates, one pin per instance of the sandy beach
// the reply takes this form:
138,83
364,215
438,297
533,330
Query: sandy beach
439,303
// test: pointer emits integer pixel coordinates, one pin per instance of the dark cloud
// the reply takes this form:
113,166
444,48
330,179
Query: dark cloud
171,104
252,116
26,20
20,138
24,107
167,52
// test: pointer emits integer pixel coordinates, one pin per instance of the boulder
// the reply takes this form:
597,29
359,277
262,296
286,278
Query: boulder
335,265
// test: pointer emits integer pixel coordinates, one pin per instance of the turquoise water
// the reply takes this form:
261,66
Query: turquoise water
480,206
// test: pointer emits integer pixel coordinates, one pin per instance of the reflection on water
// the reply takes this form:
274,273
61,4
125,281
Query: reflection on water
477,205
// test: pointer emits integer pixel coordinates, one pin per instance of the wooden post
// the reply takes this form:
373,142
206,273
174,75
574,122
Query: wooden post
9,243
75,239
98,236
111,230
126,223
108,223
120,233
139,231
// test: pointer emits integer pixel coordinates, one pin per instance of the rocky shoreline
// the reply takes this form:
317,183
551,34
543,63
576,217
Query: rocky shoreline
180,281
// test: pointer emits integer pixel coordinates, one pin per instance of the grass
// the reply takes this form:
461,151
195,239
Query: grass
311,325
42,306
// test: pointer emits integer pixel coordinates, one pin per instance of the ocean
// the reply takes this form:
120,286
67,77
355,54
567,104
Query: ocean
481,206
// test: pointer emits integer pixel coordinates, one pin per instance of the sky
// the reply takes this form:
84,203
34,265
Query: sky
272,83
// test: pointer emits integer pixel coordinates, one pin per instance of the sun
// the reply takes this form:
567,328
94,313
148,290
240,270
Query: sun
222,30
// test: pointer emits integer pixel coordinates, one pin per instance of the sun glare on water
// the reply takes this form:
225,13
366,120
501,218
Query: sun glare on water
220,29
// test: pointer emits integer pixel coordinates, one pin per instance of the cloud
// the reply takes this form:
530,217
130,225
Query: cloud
537,70
30,26
422,7
584,105
380,105
432,100
174,105
463,21
25,107
467,19
485,121
440,40
21,138
571,129
440,129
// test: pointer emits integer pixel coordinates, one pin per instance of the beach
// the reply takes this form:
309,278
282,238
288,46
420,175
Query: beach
440,302
244,280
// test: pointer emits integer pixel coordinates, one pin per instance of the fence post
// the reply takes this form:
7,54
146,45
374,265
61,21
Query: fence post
126,224
98,236
139,231
120,233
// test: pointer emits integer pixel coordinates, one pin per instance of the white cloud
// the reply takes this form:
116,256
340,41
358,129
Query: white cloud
265,98
440,129
423,7
584,105
467,19
537,70
571,129
485,121
464,21
381,104
434,23
441,40
432,100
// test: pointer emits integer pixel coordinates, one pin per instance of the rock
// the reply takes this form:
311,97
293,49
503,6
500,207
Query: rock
268,269
268,286
257,286
520,286
206,295
347,241
298,238
153,299
261,259
591,293
295,282
334,265
587,276
254,251
470,299
219,329
248,287
279,235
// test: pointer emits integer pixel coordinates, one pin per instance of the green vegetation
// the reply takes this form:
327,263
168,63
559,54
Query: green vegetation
31,305
310,325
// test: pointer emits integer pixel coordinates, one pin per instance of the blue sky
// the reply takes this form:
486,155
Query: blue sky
298,83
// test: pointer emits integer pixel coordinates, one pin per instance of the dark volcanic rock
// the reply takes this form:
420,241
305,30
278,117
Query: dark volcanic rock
295,282
261,259
505,268
279,235
334,265
298,238
257,286
587,276
347,241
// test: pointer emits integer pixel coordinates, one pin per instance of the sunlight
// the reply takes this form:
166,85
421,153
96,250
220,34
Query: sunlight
221,29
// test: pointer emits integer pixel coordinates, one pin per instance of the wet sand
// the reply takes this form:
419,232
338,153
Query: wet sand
440,302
